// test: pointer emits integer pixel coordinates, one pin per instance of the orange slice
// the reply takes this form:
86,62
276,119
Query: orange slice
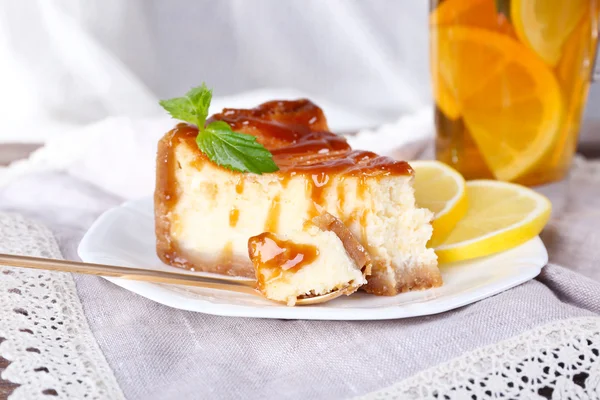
545,25
509,99
573,73
473,13
479,13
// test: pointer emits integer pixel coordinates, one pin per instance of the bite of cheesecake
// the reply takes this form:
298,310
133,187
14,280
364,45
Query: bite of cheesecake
206,213
321,258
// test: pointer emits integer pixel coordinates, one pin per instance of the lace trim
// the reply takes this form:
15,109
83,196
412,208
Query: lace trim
47,338
560,360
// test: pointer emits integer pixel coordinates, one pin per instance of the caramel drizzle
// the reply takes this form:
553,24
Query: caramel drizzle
239,186
234,216
361,190
296,133
320,182
316,188
297,149
227,253
268,251
341,197
166,195
272,223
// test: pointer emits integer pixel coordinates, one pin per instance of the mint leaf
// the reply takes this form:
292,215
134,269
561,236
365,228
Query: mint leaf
233,150
236,151
192,108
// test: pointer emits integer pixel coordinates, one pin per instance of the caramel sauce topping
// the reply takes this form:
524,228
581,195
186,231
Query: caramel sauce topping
267,251
297,135
341,197
272,222
239,186
227,251
234,216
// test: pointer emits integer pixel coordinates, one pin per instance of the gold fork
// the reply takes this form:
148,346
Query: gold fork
147,275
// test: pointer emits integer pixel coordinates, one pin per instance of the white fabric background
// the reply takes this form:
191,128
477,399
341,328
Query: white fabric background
72,62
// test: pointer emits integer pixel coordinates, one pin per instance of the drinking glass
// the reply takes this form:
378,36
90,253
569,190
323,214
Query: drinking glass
510,82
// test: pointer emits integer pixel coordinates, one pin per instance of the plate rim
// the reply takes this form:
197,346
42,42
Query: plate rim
172,299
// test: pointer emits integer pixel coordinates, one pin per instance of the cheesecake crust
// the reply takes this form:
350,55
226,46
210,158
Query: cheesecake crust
386,282
355,250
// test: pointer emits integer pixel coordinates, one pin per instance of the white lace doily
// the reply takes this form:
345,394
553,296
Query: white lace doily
52,351
560,360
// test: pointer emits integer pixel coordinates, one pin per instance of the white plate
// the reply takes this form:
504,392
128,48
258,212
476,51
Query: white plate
125,236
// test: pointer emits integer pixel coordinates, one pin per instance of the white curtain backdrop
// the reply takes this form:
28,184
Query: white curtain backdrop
67,63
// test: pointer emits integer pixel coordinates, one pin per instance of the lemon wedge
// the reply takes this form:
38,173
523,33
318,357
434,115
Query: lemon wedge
545,25
442,190
500,216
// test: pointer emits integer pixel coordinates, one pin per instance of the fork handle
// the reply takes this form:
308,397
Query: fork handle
137,274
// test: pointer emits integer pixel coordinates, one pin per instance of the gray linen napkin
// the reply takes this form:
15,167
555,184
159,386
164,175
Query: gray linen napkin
162,353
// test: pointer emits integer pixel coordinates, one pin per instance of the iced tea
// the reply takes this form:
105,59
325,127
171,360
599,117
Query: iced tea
510,82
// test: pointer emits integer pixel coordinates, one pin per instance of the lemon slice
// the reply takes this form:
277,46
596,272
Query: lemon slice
501,216
545,25
442,190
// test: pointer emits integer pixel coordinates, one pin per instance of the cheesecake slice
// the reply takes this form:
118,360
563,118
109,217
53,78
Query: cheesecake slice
205,213
321,258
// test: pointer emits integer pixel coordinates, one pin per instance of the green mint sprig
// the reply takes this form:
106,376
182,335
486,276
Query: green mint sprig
232,150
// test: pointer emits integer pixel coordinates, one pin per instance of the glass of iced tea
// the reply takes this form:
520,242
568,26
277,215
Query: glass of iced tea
510,81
